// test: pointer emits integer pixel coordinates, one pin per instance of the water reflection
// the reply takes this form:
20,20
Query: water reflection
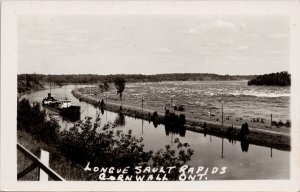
181,130
120,120
244,144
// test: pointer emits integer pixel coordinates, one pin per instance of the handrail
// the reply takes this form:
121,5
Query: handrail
37,163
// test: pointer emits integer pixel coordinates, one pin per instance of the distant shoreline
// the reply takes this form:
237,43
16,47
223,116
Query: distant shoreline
262,137
93,78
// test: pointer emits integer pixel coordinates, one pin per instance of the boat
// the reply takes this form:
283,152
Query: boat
62,106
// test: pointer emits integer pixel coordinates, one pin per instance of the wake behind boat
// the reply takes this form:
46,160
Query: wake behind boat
62,106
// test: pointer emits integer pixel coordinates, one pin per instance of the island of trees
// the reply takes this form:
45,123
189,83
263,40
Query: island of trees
275,79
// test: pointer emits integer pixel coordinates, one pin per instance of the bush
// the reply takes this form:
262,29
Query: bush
102,104
181,108
33,120
154,116
106,147
288,123
275,123
182,119
82,143
244,130
205,125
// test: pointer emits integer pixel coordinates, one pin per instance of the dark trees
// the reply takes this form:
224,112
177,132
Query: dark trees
278,79
120,86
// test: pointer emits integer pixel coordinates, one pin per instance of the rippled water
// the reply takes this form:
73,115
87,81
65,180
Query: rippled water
243,161
240,100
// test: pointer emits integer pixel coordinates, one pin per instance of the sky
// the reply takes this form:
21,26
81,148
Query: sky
153,44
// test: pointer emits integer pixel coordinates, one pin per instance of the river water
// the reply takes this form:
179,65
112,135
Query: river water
242,161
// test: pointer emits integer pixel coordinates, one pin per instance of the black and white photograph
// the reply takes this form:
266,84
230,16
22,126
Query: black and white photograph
152,91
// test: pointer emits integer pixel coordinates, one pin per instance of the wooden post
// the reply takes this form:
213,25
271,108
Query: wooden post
45,160
271,120
209,112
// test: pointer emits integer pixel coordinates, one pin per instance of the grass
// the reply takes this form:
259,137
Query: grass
63,166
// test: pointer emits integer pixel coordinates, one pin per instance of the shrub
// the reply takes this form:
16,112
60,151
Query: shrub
154,116
275,123
288,123
33,120
102,104
244,130
182,119
106,147
117,149
181,108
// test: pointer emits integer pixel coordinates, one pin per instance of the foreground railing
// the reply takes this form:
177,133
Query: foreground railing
42,164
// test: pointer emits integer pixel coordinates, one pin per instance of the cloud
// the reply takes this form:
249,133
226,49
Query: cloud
163,50
278,35
243,47
227,41
276,52
221,24
109,38
39,41
192,30
233,57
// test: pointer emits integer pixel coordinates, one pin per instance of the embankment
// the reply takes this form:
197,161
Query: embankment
268,138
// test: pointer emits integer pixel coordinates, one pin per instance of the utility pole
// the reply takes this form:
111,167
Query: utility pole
271,120
222,114
142,126
171,107
222,147
142,103
106,105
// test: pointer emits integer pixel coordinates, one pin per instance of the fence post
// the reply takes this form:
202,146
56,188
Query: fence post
45,160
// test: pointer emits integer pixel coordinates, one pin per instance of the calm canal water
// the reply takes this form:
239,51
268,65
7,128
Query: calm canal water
249,162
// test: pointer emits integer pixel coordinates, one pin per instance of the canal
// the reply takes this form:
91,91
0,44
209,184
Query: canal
243,161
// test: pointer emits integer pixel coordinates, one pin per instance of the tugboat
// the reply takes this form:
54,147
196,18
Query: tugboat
63,107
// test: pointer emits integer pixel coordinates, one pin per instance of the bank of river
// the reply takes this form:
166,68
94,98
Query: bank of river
243,160
256,136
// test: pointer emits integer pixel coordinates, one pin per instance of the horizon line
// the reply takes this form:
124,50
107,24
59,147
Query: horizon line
150,74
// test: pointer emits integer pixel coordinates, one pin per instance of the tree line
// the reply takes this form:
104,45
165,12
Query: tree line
276,79
93,78
29,82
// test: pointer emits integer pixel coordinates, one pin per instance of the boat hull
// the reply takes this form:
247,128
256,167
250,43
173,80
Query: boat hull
71,113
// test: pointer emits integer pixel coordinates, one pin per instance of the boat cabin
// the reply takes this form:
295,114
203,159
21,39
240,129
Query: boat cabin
65,103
